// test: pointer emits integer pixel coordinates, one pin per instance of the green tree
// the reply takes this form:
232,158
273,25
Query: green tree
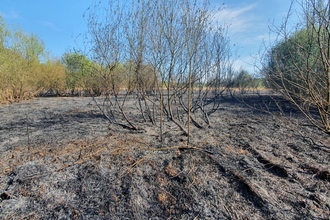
25,68
3,58
298,66
50,76
243,80
3,32
31,51
28,46
83,73
77,68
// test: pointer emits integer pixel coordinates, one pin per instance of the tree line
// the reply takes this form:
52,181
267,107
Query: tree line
174,59
27,69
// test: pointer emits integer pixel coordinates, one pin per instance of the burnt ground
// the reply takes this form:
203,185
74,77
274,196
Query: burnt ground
60,160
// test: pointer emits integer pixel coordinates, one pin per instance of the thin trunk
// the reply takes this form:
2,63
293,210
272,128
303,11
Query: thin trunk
189,99
161,113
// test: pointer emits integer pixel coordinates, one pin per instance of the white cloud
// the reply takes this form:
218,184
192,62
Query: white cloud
237,19
12,14
49,25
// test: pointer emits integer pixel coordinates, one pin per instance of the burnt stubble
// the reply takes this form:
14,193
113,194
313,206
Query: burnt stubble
60,159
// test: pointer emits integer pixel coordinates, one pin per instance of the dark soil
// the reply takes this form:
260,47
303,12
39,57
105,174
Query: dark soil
61,160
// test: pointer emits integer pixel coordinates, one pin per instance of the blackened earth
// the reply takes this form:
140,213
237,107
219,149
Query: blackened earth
60,159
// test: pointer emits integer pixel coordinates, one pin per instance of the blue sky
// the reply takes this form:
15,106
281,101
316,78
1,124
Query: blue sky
59,22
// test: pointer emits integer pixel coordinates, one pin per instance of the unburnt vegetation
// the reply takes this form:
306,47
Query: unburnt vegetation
25,67
298,66
169,129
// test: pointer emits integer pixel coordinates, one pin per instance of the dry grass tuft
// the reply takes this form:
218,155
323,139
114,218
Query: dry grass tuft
170,170
166,198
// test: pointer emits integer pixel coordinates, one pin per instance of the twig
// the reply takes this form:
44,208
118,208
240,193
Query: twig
130,168
224,205
27,130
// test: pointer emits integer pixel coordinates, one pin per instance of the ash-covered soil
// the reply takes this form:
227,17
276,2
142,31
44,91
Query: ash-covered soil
59,159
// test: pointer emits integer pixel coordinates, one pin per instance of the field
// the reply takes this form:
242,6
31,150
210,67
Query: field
60,159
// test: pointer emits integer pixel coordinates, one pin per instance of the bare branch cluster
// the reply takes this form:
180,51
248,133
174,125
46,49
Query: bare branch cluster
175,58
